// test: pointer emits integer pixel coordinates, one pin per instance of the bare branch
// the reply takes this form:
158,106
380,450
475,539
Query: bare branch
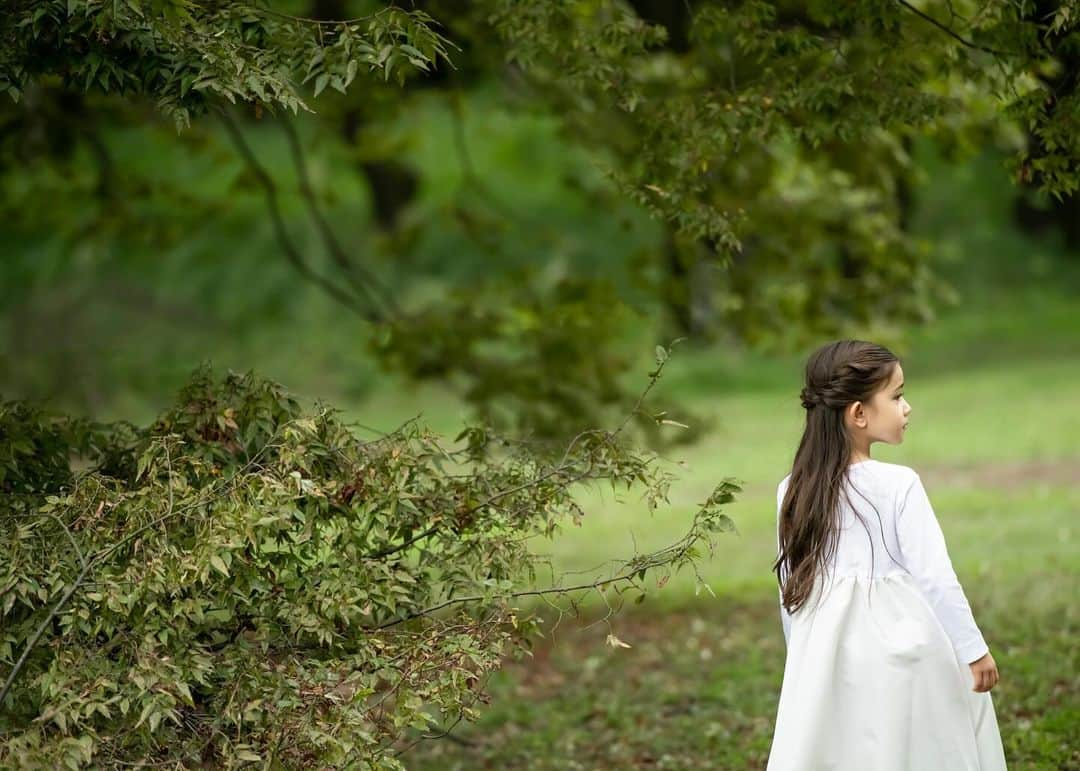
362,280
291,251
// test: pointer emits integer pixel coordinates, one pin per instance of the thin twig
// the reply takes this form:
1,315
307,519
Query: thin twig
951,33
71,538
685,543
652,382
320,22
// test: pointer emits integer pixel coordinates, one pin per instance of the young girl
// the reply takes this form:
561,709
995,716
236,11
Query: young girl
886,669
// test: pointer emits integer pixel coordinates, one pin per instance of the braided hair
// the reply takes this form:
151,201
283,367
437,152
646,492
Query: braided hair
837,374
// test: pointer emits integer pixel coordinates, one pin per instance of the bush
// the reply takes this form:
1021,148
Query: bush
244,581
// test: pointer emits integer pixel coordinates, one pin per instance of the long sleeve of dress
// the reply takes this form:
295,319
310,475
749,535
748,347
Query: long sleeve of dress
785,617
922,545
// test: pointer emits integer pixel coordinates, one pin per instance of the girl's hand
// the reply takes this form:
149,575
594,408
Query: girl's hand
985,672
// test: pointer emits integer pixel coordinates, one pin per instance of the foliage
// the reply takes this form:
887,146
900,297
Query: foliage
511,350
186,55
771,140
246,581
776,135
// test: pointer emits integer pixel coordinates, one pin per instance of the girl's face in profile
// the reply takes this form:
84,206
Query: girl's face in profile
884,417
888,412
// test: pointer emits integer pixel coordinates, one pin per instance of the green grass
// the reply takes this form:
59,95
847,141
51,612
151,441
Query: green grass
700,686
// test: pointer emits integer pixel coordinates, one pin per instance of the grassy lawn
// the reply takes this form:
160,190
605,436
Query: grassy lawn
699,688
994,434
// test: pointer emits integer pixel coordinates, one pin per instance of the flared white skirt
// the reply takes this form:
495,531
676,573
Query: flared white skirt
872,683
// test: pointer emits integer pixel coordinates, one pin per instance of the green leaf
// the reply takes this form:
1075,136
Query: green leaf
146,710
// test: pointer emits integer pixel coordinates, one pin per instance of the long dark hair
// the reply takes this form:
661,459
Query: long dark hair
837,374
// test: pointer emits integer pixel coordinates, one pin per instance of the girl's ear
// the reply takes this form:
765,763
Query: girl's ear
855,415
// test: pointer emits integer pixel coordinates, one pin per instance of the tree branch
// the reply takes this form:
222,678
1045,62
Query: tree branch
559,467
32,642
949,31
376,293
102,555
554,590
291,252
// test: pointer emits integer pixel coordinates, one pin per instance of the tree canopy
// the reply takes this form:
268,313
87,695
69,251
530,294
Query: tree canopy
771,142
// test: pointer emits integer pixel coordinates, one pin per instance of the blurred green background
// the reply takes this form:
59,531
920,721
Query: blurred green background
994,381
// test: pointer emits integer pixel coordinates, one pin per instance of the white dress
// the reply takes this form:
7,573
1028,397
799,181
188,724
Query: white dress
876,676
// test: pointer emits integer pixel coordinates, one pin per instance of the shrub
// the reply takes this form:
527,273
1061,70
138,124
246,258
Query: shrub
246,581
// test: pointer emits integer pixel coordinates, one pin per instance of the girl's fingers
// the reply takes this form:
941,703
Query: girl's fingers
984,680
